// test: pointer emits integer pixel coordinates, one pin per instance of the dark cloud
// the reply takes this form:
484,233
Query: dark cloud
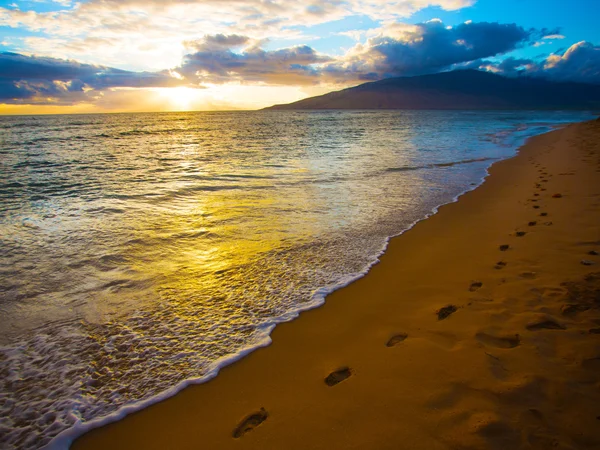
218,42
580,62
431,47
214,61
436,47
33,79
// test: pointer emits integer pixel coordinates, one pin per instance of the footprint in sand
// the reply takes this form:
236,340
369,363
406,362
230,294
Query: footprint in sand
533,223
594,331
544,214
504,247
591,364
446,311
528,275
250,423
593,253
520,233
396,339
475,285
338,376
500,265
499,341
545,325
557,196
572,309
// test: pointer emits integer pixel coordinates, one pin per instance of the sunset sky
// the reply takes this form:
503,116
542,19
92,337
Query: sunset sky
61,56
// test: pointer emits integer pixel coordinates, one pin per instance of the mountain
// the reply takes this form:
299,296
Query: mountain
460,89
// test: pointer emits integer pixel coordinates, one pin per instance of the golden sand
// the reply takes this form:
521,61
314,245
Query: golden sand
478,329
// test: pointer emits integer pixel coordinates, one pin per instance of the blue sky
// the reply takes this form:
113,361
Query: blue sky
576,19
210,54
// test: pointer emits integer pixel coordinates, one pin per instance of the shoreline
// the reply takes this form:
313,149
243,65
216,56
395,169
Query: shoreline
348,331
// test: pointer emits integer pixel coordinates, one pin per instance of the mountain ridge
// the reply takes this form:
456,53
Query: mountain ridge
459,89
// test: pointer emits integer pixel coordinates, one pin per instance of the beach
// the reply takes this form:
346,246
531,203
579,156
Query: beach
479,328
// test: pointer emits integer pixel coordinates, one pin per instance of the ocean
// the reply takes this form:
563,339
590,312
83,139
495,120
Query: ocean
142,252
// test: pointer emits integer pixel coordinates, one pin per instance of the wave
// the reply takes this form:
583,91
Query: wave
436,165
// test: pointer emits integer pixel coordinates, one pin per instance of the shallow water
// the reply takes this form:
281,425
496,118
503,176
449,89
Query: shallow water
139,251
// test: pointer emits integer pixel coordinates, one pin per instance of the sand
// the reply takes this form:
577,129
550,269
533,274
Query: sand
478,329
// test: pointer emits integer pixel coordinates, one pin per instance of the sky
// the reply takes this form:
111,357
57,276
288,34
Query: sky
64,56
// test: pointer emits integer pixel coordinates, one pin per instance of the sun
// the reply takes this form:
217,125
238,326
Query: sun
180,98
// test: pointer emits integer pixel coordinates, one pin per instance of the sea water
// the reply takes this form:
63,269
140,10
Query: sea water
141,252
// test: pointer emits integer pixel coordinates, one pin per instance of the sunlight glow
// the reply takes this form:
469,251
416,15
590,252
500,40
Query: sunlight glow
181,98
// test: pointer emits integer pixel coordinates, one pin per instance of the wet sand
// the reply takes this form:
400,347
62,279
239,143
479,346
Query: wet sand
480,328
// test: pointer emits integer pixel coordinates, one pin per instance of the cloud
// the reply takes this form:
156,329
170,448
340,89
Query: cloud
49,80
214,60
554,36
104,18
402,49
580,62
112,29
399,49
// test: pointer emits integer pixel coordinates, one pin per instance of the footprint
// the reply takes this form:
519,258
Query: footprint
594,331
544,214
500,265
533,223
536,413
446,311
587,262
528,275
250,423
475,285
593,253
504,247
338,376
396,339
591,364
499,341
520,233
557,196
545,325
536,206
572,309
